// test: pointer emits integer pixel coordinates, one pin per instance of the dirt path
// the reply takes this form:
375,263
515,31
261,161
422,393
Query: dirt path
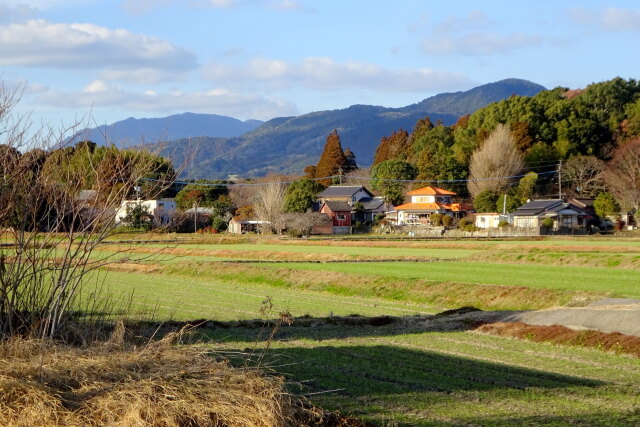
608,315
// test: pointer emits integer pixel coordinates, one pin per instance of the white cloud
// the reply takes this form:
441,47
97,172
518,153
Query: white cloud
18,12
39,43
326,74
99,94
468,35
139,7
143,75
480,43
96,86
611,19
621,19
454,24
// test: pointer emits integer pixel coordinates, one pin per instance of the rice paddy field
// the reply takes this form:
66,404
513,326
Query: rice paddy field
365,338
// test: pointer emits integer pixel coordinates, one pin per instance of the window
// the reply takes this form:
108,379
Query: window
341,217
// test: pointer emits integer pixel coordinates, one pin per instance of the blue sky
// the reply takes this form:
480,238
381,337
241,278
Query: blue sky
267,58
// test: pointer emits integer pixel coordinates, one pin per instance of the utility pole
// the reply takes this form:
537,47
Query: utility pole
340,172
195,217
560,180
504,204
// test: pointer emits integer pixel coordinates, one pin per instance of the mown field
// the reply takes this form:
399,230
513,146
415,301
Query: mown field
343,354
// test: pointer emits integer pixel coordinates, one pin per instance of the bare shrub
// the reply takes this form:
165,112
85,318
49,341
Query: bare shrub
56,206
269,204
622,175
497,158
584,175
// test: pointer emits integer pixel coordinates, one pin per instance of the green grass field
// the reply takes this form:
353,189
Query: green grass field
400,374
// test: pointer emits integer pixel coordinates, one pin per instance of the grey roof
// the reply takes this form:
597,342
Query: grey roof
342,191
544,207
339,206
371,203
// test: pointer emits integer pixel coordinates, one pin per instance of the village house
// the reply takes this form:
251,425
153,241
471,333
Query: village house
346,205
566,217
340,214
344,193
426,201
161,210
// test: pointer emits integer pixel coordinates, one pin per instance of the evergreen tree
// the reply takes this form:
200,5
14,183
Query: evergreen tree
350,161
300,195
331,160
393,147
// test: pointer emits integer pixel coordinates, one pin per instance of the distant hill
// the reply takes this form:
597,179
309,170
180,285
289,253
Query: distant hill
288,144
186,125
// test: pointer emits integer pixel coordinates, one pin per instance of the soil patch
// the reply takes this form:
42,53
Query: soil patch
610,341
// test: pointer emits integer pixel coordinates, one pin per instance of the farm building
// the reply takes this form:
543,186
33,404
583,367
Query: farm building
428,200
566,217
487,220
245,226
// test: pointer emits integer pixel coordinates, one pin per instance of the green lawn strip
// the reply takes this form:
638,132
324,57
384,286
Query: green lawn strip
200,297
383,379
622,283
438,295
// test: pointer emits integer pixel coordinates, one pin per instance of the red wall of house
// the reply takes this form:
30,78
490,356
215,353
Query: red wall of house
334,217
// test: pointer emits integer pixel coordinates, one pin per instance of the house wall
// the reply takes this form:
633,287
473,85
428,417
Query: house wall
339,219
430,199
487,221
526,222
162,210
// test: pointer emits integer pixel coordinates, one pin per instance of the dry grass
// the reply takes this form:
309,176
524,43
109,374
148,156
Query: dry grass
161,384
611,341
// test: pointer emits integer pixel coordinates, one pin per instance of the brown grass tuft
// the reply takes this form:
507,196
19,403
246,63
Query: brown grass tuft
43,383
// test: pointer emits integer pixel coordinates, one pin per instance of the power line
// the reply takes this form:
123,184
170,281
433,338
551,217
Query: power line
416,181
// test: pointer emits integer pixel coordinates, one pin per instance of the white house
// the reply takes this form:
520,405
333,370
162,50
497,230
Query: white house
162,210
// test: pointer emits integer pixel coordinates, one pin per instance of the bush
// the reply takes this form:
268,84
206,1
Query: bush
466,224
218,223
619,225
447,220
378,218
436,219
503,223
547,222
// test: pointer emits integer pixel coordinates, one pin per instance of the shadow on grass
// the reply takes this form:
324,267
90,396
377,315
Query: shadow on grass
384,369
337,327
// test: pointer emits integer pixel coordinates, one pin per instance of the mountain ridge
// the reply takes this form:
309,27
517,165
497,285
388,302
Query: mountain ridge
133,131
288,144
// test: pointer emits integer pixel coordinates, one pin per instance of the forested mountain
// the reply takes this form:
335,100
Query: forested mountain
187,125
589,129
288,144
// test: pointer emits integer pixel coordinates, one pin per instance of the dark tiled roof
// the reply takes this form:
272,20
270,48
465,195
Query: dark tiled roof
339,206
536,206
342,191
371,203
541,207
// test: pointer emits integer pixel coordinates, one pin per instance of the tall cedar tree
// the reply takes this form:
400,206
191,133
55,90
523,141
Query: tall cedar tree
350,161
392,147
331,160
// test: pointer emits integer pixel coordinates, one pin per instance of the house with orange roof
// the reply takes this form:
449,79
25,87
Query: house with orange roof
428,200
